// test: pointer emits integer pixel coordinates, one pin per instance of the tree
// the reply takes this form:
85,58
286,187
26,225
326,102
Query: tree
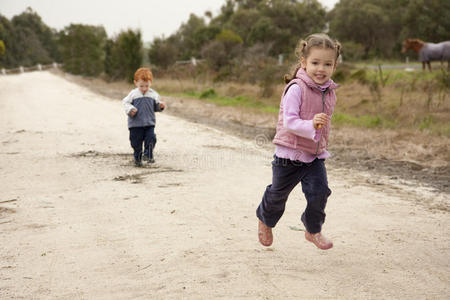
364,22
427,20
190,38
226,12
242,23
162,52
36,39
111,63
2,48
223,49
262,31
82,48
130,46
380,26
123,55
8,60
27,40
276,24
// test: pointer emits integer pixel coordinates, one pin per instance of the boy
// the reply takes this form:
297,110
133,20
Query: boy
140,106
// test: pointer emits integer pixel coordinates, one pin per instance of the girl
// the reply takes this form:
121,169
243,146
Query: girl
301,140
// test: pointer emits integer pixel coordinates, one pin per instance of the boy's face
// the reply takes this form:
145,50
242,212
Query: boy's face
142,85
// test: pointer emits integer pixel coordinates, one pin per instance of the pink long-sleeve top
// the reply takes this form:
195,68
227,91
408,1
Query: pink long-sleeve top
292,101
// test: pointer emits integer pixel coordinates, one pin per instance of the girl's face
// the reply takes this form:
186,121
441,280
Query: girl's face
142,85
320,64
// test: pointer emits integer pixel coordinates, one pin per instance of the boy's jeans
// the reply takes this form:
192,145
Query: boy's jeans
286,175
139,135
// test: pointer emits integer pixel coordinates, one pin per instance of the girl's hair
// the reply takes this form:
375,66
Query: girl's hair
143,74
303,49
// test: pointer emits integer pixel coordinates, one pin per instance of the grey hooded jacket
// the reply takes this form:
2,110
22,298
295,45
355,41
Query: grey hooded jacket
146,106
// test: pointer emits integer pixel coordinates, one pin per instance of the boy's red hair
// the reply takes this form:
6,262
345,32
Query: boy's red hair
143,74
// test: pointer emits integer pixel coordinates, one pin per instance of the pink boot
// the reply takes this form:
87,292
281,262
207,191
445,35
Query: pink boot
319,240
264,234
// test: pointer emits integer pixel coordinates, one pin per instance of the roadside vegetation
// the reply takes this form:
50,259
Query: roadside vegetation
367,98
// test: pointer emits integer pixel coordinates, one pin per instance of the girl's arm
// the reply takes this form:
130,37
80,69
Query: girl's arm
127,103
292,101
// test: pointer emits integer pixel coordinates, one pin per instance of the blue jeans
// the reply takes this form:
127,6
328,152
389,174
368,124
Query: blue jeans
139,135
286,175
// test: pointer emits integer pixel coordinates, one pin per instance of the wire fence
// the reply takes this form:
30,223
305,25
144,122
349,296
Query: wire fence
37,67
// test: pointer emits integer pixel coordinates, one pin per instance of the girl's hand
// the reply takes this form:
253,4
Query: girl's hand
162,105
133,112
320,120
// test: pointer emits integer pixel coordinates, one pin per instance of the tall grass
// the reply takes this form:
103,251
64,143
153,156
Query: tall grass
368,98
223,94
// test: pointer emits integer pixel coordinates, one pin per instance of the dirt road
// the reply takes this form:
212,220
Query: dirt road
78,221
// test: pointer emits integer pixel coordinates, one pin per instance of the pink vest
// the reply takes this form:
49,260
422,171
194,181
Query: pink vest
314,101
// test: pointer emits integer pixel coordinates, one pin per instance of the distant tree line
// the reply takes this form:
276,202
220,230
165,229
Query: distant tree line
26,41
83,49
376,28
246,37
367,28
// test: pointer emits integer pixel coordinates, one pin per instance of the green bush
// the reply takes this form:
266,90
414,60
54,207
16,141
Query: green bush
209,93
342,73
352,51
2,48
364,121
426,123
162,53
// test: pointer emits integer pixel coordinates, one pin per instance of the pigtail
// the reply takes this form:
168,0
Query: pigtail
300,49
288,78
299,53
337,47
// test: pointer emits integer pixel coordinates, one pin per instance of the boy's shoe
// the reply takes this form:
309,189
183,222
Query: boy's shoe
151,160
264,234
137,163
145,158
319,240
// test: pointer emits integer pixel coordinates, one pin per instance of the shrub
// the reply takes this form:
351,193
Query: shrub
2,48
352,51
124,55
209,93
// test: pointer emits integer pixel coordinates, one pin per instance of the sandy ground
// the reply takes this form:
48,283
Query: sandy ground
78,221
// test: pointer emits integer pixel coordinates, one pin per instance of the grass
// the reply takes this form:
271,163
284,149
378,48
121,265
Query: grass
243,101
431,125
366,98
239,101
395,76
365,121
392,76
222,94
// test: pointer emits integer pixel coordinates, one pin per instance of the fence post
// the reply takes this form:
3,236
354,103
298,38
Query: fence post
280,59
39,67
3,71
55,65
407,67
193,61
21,69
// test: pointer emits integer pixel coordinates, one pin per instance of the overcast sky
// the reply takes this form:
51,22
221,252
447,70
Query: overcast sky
154,17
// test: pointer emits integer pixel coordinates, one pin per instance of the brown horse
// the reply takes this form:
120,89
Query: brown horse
429,51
